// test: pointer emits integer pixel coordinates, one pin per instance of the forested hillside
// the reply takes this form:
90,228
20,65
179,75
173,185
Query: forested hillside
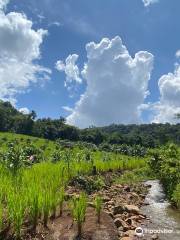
147,135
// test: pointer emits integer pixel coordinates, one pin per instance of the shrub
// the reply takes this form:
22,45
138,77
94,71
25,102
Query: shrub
176,195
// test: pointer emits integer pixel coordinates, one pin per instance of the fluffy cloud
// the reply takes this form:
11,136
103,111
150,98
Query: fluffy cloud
147,3
24,110
116,84
169,103
20,47
177,54
70,68
3,3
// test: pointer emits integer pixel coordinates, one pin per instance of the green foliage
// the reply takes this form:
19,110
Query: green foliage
32,191
135,176
166,164
176,195
98,205
16,207
61,197
145,135
1,215
88,184
78,208
34,198
15,157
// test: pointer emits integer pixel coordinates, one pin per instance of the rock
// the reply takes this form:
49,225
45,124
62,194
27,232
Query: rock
109,213
142,196
118,185
135,194
132,209
106,199
119,222
129,221
129,233
154,237
145,203
127,189
148,185
138,218
134,225
118,209
142,216
118,216
111,203
120,229
127,238
91,204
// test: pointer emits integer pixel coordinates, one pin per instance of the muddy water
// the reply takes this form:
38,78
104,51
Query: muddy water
163,218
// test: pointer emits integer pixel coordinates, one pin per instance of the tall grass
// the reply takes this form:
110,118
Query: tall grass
61,196
78,207
37,192
98,207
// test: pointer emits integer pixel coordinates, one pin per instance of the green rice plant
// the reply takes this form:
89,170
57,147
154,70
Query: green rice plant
98,206
54,203
16,208
34,206
57,197
78,208
46,205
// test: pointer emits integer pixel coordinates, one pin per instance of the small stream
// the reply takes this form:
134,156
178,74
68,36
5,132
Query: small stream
163,218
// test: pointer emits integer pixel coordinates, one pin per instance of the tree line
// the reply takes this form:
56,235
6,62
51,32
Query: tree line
147,135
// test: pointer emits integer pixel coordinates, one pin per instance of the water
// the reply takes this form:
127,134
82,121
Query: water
162,216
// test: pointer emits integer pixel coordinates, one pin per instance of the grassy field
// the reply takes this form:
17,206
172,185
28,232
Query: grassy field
20,140
34,173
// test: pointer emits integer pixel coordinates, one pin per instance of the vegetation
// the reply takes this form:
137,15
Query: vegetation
78,207
136,176
145,135
33,183
166,165
34,172
98,206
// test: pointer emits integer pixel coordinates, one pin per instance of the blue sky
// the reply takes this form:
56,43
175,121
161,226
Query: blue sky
72,24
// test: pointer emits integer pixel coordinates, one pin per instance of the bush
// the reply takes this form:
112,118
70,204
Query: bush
176,195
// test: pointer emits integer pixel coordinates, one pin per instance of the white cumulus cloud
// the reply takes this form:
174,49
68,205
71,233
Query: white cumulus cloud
20,47
169,103
116,84
147,3
70,68
24,110
67,109
177,54
3,3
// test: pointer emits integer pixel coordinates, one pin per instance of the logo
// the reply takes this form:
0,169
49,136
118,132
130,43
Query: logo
139,232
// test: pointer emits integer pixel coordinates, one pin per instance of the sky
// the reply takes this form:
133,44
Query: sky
93,62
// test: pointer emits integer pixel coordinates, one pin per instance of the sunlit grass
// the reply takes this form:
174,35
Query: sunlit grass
36,193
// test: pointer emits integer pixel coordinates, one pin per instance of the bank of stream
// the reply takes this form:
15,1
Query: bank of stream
163,218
